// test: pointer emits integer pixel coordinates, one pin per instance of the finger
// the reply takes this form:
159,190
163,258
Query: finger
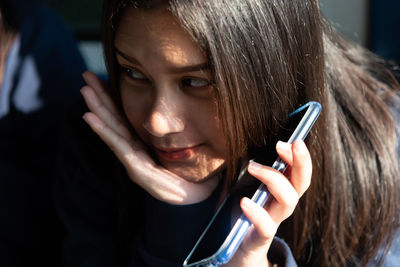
93,81
97,106
276,183
302,167
265,227
283,192
285,152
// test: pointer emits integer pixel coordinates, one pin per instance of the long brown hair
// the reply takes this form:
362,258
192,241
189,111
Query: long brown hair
267,58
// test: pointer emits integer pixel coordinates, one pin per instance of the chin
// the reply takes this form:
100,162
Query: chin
198,174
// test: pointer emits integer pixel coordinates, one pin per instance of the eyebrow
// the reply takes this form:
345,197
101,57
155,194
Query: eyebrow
191,68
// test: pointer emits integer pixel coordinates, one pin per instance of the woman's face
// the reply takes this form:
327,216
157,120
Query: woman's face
167,94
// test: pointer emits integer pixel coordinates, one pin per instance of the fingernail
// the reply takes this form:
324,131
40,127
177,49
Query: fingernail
92,120
83,91
84,117
247,203
283,146
254,166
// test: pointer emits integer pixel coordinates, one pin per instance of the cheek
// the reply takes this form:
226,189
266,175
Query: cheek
134,106
219,139
211,126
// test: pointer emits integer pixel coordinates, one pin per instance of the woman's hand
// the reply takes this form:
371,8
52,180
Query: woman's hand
286,193
106,120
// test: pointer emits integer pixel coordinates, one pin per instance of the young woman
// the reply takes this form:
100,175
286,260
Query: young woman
196,85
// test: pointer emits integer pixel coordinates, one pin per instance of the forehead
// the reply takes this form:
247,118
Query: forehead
156,32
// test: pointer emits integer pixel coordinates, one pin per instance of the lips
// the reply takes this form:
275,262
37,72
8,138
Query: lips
172,154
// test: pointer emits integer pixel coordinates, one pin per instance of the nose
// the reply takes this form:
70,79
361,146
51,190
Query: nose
163,117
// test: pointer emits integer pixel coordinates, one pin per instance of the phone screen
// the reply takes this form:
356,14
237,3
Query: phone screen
229,211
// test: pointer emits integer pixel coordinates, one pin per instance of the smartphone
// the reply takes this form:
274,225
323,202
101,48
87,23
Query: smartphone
227,228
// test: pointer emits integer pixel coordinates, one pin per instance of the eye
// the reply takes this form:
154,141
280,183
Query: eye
198,87
195,82
134,74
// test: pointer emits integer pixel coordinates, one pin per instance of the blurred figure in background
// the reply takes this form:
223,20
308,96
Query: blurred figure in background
40,77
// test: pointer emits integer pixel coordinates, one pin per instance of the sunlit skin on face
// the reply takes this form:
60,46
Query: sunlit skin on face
167,94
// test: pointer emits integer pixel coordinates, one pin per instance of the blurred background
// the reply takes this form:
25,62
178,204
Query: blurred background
374,24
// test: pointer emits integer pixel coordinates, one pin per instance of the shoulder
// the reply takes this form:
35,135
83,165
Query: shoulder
85,181
280,253
81,148
87,172
86,162
37,25
50,45
92,193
